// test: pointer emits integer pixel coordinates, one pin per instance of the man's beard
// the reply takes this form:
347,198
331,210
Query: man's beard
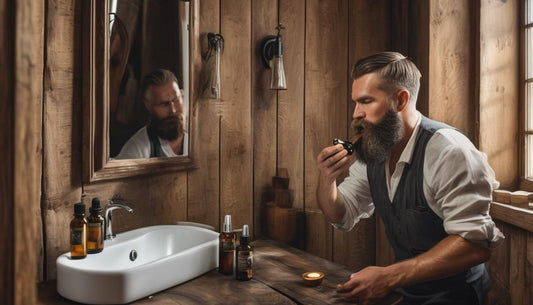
378,139
168,129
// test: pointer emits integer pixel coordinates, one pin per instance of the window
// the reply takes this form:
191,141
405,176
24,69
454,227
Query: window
528,88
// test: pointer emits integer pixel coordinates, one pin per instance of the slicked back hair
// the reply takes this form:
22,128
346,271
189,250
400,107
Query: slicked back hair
395,70
158,77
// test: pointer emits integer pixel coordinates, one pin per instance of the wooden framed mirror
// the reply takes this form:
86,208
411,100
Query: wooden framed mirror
100,91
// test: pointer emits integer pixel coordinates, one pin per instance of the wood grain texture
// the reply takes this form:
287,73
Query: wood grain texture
357,248
498,96
281,268
451,64
203,183
326,70
236,167
264,107
290,120
7,224
517,270
418,43
27,147
498,267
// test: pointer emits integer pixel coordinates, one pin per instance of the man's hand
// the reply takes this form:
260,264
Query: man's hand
367,286
331,162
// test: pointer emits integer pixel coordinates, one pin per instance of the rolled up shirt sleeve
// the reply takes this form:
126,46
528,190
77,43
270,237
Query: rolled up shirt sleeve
357,198
458,187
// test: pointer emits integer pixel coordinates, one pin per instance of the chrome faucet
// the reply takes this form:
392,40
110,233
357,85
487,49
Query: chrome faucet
109,217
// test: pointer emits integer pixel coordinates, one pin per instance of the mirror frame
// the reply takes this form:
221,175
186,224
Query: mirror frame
97,165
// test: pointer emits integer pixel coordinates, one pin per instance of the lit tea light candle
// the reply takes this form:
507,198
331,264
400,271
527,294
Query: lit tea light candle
313,278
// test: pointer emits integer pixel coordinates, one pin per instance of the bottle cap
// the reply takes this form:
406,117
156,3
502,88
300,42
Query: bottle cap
245,236
96,208
227,224
79,209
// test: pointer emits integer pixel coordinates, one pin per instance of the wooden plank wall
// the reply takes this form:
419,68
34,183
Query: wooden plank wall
245,135
253,130
7,72
498,87
21,65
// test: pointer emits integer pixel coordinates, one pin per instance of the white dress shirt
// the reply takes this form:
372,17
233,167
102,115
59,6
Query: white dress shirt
458,184
138,146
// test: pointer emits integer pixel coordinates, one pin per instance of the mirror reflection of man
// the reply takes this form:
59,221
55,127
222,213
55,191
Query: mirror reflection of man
165,134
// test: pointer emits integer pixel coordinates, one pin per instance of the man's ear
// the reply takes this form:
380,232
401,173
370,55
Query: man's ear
147,105
402,99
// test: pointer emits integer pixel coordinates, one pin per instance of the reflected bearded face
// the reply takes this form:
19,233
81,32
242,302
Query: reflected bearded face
169,128
378,139
165,105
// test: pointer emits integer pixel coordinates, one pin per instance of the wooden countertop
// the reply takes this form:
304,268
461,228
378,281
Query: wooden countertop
276,280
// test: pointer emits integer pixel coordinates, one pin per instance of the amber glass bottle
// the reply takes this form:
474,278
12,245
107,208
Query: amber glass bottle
95,223
245,256
78,233
226,248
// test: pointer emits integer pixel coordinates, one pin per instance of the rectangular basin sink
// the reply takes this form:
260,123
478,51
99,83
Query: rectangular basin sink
137,264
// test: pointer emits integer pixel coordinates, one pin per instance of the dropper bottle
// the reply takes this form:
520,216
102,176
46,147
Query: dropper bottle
95,223
78,232
244,256
226,248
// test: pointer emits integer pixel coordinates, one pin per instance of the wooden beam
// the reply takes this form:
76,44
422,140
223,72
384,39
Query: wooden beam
27,148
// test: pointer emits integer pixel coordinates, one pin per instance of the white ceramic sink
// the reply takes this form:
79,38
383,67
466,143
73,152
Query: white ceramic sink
165,256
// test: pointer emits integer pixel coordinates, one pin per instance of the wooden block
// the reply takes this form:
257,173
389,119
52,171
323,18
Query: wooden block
521,199
280,182
501,196
283,197
281,223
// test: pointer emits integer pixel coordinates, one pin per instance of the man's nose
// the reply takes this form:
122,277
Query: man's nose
358,112
174,108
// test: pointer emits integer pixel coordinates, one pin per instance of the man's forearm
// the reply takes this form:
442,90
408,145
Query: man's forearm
449,257
330,201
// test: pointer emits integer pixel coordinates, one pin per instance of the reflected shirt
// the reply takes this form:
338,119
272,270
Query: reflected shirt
458,184
138,146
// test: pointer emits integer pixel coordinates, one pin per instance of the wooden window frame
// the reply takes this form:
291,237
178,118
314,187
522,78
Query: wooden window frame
526,183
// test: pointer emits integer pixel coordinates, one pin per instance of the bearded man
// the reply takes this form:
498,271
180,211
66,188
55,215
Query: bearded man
164,135
426,180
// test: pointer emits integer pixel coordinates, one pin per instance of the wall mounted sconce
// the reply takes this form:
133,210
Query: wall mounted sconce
215,47
272,58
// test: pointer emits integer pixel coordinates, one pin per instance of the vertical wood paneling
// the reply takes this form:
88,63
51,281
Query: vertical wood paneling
203,183
325,99
450,65
236,188
498,268
357,248
419,40
27,153
290,121
7,223
62,133
517,270
499,98
400,26
169,199
529,267
264,107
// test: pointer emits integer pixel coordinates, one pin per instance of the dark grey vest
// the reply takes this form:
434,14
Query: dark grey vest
155,145
411,226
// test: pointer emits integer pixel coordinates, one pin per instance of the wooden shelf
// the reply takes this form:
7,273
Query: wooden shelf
520,217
